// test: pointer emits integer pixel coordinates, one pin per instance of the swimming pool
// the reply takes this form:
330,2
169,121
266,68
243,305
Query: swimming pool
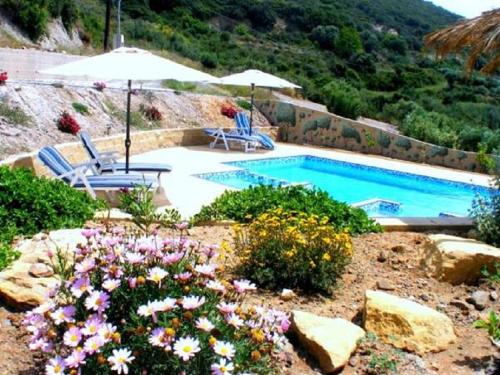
381,192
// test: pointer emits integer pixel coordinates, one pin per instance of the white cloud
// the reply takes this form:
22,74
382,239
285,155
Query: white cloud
468,8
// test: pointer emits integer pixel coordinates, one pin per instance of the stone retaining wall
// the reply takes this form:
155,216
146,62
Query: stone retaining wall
307,126
141,142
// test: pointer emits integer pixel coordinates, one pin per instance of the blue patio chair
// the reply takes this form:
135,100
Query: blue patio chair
249,143
243,128
75,175
107,162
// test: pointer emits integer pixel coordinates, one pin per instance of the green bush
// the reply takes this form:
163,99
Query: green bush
7,255
33,18
30,204
15,115
343,99
432,127
292,250
486,214
81,108
348,42
244,205
245,104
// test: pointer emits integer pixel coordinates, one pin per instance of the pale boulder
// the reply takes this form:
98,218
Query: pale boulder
24,284
330,341
457,260
406,324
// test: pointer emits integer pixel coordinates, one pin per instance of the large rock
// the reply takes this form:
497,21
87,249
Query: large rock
457,260
330,341
24,284
407,324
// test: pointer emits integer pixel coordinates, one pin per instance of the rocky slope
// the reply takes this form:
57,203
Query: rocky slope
28,113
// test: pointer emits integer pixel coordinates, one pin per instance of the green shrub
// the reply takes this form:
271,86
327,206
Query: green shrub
343,99
292,250
209,60
245,104
244,205
15,115
491,325
33,18
486,162
431,127
348,42
81,108
7,255
486,214
30,204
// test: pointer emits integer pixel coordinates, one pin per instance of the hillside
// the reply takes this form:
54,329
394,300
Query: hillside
359,57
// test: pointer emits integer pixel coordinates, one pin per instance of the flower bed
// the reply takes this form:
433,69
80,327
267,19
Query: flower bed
152,305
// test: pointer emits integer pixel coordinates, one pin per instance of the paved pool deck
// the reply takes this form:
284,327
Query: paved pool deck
188,193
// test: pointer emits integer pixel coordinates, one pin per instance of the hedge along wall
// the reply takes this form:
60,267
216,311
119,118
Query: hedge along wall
142,142
307,126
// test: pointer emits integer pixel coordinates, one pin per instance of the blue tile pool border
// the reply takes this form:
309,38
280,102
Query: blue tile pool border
300,158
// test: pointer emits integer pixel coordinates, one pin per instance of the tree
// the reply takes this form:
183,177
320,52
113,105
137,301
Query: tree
348,42
325,36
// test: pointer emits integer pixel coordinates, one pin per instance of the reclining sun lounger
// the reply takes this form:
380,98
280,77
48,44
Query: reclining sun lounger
107,162
75,175
243,128
249,143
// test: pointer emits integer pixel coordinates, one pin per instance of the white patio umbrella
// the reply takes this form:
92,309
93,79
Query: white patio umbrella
130,64
258,78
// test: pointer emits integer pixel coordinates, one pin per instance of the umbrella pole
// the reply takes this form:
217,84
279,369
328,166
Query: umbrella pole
251,108
127,137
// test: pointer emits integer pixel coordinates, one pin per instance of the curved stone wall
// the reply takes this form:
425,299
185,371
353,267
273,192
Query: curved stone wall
307,126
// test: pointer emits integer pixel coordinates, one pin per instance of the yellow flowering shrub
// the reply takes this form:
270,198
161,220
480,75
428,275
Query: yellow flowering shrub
286,249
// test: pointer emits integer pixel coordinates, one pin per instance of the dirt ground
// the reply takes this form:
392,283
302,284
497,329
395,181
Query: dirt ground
391,257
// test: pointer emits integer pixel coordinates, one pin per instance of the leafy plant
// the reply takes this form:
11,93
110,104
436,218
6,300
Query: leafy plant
228,110
67,123
293,250
343,99
491,325
486,162
139,203
382,363
151,113
30,204
486,214
244,104
3,78
15,115
81,108
7,255
152,305
494,276
245,205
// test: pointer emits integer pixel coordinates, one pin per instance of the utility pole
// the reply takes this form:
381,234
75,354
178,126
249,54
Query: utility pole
107,24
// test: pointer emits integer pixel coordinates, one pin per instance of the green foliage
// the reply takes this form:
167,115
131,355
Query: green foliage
383,363
348,42
81,108
325,36
486,214
343,99
431,127
7,255
292,250
486,162
15,115
209,60
395,43
491,325
246,204
493,276
31,15
179,86
139,203
244,104
30,204
66,9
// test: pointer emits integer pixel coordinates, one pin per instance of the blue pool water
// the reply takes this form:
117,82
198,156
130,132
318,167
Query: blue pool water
390,193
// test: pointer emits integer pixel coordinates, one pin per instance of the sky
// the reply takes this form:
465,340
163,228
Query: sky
468,8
